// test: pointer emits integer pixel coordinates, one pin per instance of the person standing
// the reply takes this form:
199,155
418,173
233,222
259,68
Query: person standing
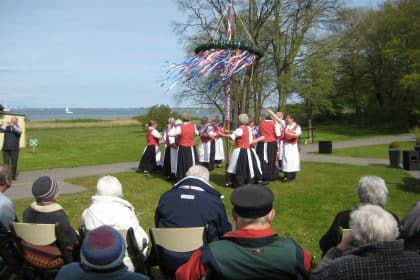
187,155
267,148
151,155
10,149
244,164
219,152
166,139
207,145
291,157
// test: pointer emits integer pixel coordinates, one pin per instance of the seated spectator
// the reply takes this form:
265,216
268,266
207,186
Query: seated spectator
192,202
371,190
253,250
101,256
411,228
45,209
378,254
109,208
7,211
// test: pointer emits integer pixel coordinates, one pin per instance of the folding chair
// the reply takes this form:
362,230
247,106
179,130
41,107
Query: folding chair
42,247
133,250
172,247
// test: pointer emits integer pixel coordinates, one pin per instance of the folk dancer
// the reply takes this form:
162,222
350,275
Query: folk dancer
219,153
207,144
267,148
151,155
244,164
291,158
166,167
186,156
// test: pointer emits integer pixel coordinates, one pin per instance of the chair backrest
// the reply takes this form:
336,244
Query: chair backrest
172,247
179,239
10,261
41,245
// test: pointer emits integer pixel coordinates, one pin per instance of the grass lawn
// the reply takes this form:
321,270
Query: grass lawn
79,146
374,151
70,147
305,207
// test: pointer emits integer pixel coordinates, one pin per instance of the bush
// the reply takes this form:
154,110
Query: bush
159,113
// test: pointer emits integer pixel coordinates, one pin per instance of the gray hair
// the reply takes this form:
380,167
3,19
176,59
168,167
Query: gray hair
199,172
373,190
5,174
243,222
243,119
371,223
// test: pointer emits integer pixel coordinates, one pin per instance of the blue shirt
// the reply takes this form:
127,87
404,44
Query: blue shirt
7,212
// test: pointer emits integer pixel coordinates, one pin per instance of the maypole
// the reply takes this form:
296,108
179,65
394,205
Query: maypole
219,59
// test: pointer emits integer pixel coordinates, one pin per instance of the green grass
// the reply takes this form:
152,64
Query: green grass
347,130
69,147
305,207
78,146
374,151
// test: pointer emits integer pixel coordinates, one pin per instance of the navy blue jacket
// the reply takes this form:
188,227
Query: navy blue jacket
190,203
183,206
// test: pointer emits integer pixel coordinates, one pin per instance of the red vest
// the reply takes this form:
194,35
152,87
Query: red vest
150,139
243,141
186,138
268,130
290,139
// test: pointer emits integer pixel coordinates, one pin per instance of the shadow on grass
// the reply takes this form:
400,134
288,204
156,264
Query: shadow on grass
409,184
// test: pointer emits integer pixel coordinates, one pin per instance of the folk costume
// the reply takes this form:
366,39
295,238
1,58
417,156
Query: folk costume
206,152
186,156
291,157
219,153
151,155
244,165
267,149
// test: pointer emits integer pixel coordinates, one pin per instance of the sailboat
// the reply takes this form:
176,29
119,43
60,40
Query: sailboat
68,111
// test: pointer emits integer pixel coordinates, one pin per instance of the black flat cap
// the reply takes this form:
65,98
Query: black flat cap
252,201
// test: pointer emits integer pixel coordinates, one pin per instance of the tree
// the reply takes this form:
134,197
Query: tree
314,79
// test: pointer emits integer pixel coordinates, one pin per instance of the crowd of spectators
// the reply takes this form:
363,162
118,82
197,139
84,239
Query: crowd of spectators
378,246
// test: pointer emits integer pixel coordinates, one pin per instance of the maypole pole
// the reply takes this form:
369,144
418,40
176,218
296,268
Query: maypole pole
228,85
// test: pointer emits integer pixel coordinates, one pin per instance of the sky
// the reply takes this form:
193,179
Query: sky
90,53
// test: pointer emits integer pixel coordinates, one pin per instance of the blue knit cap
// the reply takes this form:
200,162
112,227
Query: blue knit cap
103,248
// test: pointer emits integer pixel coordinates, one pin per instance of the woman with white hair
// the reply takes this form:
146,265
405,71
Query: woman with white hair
109,208
371,190
377,255
244,164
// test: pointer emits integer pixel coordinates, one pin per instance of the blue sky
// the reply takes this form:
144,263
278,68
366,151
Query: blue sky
89,53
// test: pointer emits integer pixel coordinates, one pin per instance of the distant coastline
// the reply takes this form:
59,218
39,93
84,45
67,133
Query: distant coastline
51,114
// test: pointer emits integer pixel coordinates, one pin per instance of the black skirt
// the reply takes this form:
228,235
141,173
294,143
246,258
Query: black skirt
268,167
243,170
148,160
187,157
167,162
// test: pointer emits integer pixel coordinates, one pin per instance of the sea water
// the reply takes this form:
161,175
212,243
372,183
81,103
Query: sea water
37,114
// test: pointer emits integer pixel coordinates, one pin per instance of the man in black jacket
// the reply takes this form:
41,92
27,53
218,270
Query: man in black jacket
10,149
